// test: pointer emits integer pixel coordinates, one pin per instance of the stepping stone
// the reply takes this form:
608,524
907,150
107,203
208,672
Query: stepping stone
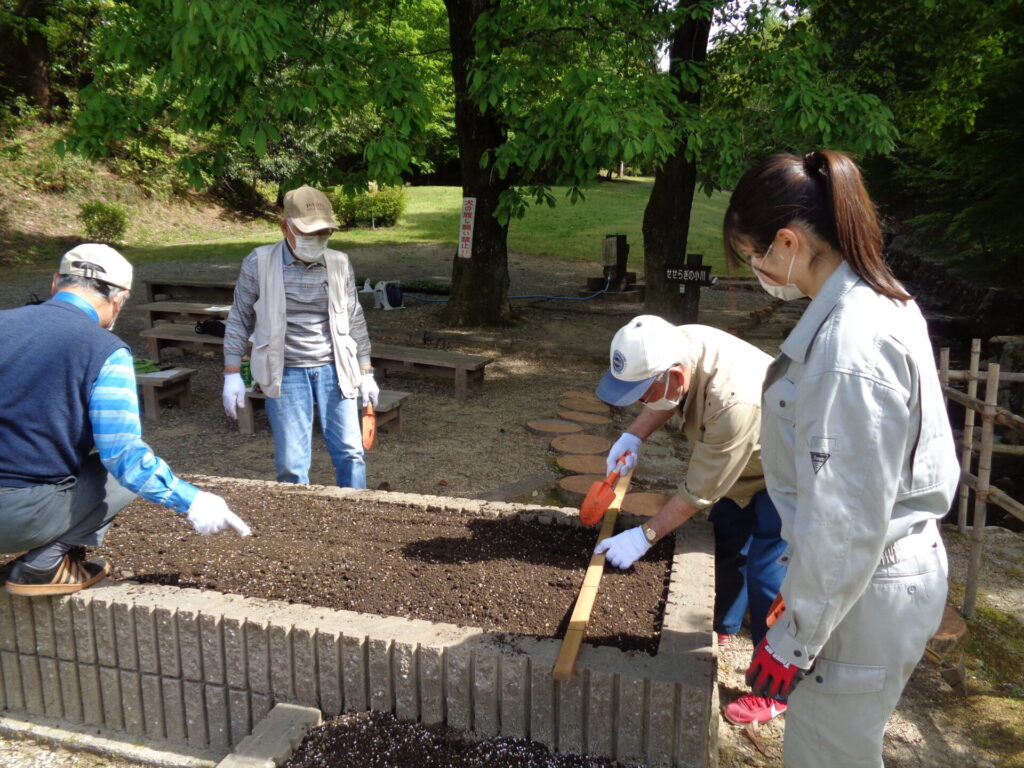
951,632
582,464
581,404
587,444
578,485
583,395
553,427
589,419
645,503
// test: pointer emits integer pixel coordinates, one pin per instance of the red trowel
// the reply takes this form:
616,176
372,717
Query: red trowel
369,427
601,495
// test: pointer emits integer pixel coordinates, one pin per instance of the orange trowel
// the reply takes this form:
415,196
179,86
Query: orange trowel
369,427
601,495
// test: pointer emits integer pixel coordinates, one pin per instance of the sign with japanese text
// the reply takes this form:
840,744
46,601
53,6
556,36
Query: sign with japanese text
466,227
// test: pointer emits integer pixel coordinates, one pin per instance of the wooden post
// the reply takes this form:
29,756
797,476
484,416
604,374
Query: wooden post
944,372
981,492
967,453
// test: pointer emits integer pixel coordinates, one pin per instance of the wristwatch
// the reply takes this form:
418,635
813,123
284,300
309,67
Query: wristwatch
649,533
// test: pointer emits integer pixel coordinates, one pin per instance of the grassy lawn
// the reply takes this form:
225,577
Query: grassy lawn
573,232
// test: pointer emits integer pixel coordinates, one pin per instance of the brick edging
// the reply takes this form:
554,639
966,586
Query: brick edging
183,666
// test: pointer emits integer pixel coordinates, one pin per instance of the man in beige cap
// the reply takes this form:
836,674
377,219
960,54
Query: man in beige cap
296,302
67,386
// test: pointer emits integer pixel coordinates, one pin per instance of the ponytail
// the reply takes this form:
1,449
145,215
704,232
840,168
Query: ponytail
824,191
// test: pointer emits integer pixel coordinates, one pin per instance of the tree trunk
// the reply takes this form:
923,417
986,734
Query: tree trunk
32,56
479,293
667,215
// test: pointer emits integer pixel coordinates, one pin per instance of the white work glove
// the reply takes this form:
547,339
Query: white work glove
234,394
628,442
368,390
624,549
209,513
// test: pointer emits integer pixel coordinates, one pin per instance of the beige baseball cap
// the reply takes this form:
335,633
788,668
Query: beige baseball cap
309,210
97,261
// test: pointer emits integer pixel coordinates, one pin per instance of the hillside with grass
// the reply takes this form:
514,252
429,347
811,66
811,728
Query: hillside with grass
44,192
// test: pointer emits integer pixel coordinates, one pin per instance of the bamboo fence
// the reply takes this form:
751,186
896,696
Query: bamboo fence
984,445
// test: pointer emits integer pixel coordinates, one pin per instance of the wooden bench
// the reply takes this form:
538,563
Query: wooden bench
180,311
176,335
467,369
174,384
388,410
185,289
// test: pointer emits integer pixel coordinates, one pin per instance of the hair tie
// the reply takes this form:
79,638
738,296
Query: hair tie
812,162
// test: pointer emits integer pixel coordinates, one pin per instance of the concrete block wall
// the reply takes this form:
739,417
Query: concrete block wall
186,667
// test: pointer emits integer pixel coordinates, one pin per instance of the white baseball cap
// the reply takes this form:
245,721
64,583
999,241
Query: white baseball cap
641,350
98,262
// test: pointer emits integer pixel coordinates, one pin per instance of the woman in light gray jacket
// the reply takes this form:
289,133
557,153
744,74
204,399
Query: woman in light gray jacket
858,456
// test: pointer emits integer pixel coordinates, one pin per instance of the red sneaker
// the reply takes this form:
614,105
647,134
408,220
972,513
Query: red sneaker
749,708
724,639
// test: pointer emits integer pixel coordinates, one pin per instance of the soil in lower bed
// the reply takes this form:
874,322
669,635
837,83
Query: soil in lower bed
379,740
505,575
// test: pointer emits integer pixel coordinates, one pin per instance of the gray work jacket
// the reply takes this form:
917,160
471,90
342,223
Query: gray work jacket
857,451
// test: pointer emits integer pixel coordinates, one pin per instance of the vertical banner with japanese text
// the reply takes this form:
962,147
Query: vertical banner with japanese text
466,227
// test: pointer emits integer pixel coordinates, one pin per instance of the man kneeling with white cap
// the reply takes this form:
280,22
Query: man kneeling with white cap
67,386
712,380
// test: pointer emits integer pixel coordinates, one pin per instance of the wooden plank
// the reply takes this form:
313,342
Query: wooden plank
180,332
186,308
1012,378
174,335
999,415
429,356
217,291
995,495
573,640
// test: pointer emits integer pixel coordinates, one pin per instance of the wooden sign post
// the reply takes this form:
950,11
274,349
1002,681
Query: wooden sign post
691,277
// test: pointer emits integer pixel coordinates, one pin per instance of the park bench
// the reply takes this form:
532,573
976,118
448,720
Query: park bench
388,410
466,369
174,384
185,289
164,335
181,311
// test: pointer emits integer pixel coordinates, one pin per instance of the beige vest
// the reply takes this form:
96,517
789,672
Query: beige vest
267,358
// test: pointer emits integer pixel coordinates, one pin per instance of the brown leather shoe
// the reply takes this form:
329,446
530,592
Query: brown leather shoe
71,574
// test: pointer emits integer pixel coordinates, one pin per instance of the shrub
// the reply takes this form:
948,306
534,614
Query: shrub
103,222
376,207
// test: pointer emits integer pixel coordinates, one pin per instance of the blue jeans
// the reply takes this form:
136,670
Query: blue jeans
291,422
748,544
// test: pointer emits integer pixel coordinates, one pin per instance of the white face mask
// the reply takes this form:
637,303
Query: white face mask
308,248
664,403
786,292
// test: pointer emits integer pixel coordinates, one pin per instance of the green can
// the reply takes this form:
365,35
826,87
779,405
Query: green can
246,373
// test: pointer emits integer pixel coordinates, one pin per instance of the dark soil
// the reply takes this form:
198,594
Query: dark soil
504,575
378,740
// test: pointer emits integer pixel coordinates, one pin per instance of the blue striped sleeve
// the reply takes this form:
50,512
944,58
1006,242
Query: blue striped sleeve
114,414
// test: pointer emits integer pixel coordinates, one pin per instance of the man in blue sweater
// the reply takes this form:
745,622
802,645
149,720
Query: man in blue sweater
71,448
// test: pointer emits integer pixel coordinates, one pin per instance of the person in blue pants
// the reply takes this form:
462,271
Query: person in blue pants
748,545
710,381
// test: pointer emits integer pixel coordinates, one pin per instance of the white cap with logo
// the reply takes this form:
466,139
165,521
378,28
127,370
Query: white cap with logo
99,262
641,350
309,210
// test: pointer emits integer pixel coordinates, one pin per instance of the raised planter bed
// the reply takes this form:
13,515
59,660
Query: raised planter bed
201,668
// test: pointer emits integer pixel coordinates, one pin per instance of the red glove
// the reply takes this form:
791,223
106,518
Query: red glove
768,675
